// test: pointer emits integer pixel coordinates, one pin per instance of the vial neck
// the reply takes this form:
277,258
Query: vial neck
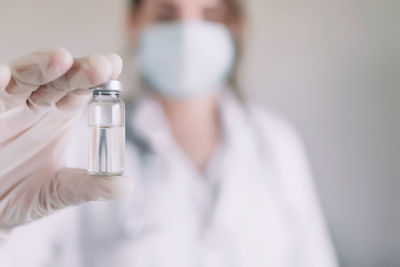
112,94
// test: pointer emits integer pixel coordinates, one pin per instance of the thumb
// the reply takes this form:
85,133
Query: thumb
76,186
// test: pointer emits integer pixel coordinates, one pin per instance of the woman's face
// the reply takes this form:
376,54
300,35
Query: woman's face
163,11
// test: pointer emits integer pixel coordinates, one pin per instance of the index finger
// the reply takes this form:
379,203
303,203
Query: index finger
31,71
42,66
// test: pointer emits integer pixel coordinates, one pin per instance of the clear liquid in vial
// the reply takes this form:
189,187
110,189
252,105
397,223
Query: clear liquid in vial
106,150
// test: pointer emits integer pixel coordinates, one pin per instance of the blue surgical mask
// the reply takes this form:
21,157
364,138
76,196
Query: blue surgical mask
186,59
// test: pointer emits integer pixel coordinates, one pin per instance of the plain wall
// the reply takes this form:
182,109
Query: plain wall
331,67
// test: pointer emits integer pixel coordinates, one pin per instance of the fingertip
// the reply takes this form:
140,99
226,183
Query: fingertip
5,75
117,65
100,69
61,59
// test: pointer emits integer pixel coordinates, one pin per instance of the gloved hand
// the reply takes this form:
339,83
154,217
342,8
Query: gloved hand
41,95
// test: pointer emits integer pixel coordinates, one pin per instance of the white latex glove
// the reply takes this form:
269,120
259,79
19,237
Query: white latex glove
41,95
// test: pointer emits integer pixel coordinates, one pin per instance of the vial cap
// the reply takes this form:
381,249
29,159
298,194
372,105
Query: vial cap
111,85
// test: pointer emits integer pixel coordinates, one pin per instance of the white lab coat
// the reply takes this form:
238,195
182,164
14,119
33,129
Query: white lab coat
254,205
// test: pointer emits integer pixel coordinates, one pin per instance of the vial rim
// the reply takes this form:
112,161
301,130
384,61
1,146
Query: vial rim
112,85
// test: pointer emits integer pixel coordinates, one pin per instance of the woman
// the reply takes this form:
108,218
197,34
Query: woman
218,182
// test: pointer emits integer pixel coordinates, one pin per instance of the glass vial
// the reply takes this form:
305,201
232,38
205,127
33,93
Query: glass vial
106,130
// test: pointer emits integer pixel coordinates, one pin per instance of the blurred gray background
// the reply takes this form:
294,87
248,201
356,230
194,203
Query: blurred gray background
331,67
